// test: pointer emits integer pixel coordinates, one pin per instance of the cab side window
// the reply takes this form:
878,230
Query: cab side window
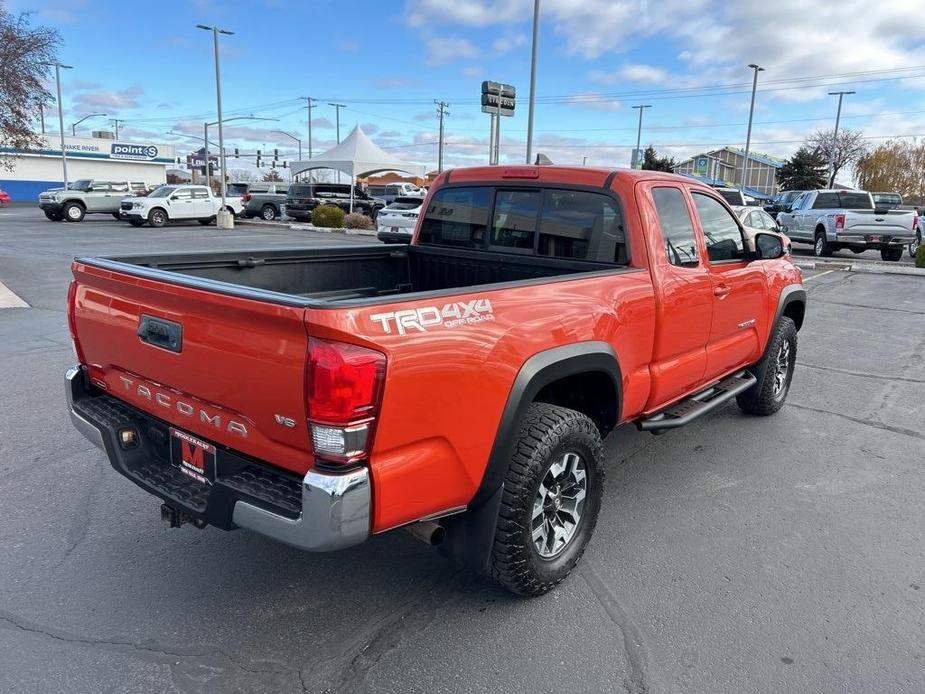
677,228
182,194
118,187
200,193
720,229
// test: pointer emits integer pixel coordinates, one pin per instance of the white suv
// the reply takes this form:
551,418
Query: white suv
170,203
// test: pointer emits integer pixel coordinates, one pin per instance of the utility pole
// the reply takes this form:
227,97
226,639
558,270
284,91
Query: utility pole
42,116
441,112
309,102
337,108
748,136
635,157
116,122
840,96
57,67
532,101
223,220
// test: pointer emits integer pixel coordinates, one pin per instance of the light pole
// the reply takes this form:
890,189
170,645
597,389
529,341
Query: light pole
74,125
223,221
532,101
840,96
635,157
337,108
58,67
283,132
748,136
205,138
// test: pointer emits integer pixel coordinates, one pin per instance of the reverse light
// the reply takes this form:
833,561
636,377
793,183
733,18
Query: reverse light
839,221
343,390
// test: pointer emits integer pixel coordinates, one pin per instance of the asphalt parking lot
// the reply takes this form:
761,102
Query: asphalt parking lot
739,554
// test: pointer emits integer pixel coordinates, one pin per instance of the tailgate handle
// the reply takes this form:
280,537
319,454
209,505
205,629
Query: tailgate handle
161,333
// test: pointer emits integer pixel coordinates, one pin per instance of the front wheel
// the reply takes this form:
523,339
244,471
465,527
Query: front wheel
157,218
73,212
914,246
891,255
135,222
115,215
767,396
550,502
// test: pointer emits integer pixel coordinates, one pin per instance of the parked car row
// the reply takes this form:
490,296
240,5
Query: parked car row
131,201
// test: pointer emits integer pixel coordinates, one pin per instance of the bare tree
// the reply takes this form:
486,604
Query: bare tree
23,50
242,175
842,150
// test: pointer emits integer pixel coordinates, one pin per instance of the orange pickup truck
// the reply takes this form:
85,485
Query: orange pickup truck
459,387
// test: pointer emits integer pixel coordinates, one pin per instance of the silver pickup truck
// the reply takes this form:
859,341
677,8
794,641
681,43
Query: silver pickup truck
87,196
835,219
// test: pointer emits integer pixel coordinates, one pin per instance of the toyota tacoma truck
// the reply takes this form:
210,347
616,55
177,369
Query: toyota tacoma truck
831,220
459,387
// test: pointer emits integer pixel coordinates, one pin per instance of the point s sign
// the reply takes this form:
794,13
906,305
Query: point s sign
137,152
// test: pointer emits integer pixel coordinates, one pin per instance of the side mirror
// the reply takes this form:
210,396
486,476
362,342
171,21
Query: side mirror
768,246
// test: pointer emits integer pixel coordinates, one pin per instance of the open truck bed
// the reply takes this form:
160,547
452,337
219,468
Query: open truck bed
342,275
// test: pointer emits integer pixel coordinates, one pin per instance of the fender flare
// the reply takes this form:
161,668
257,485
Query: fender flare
469,535
791,294
538,371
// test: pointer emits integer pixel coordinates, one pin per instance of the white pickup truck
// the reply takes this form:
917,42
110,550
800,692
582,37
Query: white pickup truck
173,203
835,219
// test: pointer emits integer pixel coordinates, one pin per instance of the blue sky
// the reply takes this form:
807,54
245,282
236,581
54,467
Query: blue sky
146,63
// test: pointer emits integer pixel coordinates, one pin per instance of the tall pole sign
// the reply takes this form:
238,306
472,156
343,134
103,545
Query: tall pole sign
497,100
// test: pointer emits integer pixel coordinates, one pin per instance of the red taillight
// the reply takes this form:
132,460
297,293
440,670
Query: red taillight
343,391
72,320
839,221
246,197
915,221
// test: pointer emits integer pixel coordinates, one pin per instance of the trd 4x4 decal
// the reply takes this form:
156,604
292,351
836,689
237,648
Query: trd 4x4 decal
450,316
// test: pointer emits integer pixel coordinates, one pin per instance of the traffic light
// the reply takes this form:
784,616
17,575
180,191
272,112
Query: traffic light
276,154
236,153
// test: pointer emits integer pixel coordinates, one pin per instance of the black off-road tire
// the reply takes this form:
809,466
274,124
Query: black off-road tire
115,215
135,222
891,255
821,246
54,216
73,212
765,398
547,433
206,221
157,218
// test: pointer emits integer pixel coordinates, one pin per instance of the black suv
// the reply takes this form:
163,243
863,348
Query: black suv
782,202
304,197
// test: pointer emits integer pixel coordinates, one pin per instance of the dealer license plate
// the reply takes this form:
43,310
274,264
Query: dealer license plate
192,456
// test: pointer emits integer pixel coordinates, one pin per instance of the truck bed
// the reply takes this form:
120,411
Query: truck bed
343,275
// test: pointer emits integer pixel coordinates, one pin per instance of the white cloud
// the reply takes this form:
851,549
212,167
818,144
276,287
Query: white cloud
631,72
100,100
449,48
508,42
594,101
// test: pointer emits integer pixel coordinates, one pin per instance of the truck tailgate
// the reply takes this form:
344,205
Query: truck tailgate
879,222
235,375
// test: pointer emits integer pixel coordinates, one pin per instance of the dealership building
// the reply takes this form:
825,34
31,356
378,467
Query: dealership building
87,157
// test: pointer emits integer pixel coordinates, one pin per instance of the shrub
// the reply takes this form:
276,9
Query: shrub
920,255
355,220
328,216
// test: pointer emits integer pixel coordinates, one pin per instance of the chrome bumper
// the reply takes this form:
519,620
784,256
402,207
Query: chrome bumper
336,507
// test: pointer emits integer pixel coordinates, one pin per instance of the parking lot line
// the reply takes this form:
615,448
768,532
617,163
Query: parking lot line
813,277
10,300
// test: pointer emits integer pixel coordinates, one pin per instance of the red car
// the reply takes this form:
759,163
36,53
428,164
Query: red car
459,387
4,198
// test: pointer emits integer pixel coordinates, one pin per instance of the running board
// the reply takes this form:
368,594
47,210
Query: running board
686,411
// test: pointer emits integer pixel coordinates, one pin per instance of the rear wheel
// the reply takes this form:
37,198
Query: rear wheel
822,248
73,212
891,254
914,246
206,221
157,217
268,212
550,502
115,215
768,395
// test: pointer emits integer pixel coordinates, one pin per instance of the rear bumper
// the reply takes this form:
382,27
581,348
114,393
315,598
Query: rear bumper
395,236
323,511
879,241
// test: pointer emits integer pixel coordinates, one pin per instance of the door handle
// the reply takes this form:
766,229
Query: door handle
722,290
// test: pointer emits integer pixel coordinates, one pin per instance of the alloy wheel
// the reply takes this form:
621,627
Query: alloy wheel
558,505
782,368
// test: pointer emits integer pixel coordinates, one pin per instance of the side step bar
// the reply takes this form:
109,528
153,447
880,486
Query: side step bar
686,411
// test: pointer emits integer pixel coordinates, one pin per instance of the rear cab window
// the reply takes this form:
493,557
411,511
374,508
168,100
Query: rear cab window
542,221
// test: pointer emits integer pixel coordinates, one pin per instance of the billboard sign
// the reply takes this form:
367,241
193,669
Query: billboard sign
498,98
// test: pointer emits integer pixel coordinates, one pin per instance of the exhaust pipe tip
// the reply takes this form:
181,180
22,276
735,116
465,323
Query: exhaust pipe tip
428,532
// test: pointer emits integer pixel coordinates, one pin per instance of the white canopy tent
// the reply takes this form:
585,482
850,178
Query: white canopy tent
357,155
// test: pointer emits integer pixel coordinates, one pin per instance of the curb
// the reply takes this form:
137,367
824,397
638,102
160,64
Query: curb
867,268
297,226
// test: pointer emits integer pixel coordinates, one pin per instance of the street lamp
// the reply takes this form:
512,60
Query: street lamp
222,220
840,96
641,107
92,115
531,103
283,132
337,108
748,136
57,66
205,132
